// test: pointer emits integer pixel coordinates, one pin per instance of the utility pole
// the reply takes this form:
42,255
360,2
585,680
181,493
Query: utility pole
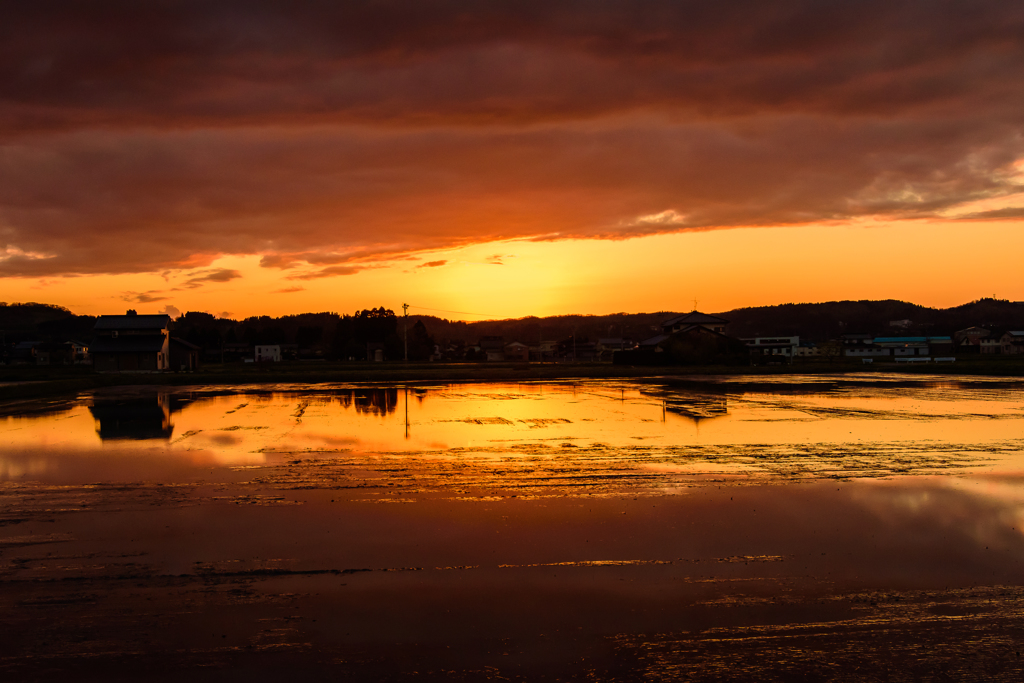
405,330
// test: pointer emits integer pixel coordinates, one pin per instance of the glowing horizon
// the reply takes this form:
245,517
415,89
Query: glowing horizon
510,160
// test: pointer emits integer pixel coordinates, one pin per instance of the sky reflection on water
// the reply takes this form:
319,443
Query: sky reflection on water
510,421
643,517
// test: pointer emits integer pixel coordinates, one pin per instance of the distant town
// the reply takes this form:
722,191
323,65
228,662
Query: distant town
129,342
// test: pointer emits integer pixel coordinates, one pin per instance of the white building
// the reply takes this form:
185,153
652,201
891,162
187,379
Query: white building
268,353
774,346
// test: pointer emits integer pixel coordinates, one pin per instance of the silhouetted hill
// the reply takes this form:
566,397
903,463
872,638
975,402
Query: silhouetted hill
339,335
43,322
16,317
816,322
829,320
531,330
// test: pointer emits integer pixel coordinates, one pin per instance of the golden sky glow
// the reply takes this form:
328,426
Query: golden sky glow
511,159
720,269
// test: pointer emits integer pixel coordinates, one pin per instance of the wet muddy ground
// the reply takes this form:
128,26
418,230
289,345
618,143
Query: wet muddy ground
820,528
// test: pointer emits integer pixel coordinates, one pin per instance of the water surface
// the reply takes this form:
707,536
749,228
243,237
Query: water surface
725,528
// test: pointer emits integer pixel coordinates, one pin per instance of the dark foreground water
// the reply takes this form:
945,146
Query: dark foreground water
819,528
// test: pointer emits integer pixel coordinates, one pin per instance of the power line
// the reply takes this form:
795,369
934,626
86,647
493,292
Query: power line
441,310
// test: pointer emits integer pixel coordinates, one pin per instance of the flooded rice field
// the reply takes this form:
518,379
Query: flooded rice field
866,527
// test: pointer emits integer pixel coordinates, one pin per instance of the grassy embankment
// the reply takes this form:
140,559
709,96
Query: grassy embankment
19,383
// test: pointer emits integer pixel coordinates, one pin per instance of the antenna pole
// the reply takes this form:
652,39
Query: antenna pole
405,330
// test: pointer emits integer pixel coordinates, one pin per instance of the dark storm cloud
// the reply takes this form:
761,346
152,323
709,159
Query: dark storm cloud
211,62
141,136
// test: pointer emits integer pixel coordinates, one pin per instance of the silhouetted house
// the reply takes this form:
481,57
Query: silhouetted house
992,344
862,346
131,343
1013,342
544,351
609,345
26,353
55,353
694,318
969,340
268,353
236,352
693,344
184,355
492,348
516,351
858,339
654,343
765,349
940,346
585,350
79,352
903,346
808,349
900,347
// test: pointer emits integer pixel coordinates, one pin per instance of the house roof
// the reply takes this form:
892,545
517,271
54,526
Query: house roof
132,322
186,344
694,318
699,329
655,340
140,344
901,340
771,345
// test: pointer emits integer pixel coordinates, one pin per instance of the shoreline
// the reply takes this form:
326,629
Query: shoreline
24,383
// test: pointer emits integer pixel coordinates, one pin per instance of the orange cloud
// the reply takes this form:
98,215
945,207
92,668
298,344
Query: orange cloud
332,139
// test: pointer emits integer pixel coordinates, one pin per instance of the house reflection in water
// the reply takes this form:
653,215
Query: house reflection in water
371,401
698,407
144,416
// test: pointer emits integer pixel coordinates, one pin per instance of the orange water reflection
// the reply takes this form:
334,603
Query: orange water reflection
711,431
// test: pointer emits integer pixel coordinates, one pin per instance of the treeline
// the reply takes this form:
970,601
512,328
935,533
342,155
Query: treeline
321,335
43,322
334,335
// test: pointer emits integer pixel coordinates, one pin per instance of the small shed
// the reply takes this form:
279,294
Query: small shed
184,355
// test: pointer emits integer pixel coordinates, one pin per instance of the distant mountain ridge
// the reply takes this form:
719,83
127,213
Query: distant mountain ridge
831,319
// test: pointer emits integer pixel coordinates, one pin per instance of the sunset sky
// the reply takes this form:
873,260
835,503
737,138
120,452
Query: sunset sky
503,159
